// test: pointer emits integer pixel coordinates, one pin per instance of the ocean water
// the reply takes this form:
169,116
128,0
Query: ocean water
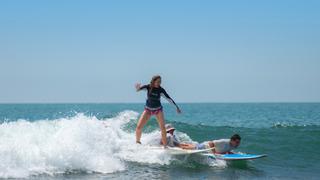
97,141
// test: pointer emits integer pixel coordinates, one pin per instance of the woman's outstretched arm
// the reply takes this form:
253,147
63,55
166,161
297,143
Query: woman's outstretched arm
166,95
139,87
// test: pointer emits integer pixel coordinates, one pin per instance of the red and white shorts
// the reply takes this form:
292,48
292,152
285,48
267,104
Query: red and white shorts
153,111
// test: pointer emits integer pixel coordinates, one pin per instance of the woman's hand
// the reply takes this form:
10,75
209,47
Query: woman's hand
178,111
138,86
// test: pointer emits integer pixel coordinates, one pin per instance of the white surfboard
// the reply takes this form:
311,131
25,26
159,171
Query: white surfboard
229,157
180,151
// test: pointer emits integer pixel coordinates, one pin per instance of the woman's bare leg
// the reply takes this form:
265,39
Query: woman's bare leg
145,116
161,123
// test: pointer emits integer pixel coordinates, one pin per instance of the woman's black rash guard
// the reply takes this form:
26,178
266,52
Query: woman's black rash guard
153,101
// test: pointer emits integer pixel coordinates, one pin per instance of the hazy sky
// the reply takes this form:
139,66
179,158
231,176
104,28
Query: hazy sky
206,51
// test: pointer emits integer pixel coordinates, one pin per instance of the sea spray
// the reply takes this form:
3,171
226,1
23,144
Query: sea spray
66,144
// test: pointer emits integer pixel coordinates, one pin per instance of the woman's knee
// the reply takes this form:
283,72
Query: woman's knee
139,127
161,122
162,126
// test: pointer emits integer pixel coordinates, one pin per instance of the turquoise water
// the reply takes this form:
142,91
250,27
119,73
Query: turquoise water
85,141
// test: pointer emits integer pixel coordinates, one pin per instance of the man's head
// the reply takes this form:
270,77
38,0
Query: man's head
169,128
235,140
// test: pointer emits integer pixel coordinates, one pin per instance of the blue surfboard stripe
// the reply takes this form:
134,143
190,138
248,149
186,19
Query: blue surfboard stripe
236,156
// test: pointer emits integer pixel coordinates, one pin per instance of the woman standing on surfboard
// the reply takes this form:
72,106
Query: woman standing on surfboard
153,107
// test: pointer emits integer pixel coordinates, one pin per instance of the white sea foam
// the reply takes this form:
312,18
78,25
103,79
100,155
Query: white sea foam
79,143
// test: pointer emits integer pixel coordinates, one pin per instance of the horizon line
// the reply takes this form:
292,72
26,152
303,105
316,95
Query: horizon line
208,102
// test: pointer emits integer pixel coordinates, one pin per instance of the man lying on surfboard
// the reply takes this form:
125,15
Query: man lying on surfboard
221,146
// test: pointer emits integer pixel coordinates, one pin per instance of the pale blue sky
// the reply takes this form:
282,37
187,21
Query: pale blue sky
206,51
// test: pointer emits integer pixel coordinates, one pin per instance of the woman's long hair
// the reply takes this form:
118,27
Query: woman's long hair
153,80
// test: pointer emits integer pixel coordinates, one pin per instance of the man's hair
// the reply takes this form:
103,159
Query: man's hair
235,137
